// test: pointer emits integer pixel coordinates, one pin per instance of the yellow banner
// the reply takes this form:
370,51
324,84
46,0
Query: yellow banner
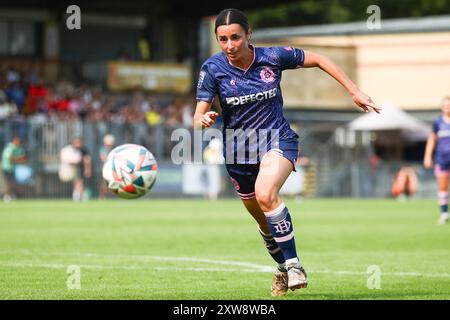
159,77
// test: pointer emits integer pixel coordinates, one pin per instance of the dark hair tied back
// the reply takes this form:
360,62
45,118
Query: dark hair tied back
230,16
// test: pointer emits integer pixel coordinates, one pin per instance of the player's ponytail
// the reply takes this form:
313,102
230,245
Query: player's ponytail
230,16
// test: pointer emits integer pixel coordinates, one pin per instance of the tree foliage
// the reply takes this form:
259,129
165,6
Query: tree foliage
311,12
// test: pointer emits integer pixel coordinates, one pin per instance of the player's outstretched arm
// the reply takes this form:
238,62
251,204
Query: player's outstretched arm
428,158
362,100
203,118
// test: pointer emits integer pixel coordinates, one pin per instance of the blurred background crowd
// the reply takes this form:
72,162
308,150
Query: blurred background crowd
26,94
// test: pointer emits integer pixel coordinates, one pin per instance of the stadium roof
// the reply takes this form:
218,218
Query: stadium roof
165,8
427,24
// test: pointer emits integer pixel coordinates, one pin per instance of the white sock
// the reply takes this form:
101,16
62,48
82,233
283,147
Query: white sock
293,260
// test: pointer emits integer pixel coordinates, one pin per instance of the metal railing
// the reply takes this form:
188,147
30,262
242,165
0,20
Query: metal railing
341,169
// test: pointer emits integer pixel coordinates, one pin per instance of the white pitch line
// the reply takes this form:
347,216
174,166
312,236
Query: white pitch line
257,268
190,259
146,257
100,267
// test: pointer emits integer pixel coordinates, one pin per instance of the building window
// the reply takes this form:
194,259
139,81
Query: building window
17,38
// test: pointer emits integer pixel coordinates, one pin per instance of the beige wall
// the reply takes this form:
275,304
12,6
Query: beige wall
313,88
412,71
409,70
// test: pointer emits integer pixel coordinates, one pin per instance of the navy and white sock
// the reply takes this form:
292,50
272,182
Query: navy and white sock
273,249
443,201
280,225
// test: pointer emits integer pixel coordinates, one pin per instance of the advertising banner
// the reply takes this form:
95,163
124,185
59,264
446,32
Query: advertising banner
159,77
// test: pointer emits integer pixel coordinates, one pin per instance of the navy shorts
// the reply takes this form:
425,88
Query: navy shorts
243,176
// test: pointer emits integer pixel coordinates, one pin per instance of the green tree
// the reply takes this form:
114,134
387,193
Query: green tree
312,12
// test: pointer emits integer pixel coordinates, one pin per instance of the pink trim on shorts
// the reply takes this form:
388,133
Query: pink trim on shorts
438,171
246,196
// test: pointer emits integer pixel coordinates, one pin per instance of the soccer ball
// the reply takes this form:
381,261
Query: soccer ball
130,171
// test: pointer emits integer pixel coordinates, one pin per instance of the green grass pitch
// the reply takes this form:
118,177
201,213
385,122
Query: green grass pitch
196,249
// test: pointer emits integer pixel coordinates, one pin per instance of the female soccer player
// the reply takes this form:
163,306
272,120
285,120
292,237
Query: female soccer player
247,82
439,141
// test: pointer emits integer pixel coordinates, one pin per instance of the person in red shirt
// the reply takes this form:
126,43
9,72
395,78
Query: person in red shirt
36,92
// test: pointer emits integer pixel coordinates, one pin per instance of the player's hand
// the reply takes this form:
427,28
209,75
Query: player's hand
428,163
208,119
363,101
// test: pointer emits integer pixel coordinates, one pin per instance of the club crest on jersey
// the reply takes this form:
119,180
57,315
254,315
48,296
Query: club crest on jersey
233,82
267,75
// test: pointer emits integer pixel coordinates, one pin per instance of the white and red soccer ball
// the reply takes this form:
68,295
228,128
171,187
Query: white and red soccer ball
130,171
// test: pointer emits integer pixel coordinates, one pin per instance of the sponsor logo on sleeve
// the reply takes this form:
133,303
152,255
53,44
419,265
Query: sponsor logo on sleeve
201,77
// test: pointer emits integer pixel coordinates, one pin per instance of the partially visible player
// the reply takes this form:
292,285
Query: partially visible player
247,81
439,143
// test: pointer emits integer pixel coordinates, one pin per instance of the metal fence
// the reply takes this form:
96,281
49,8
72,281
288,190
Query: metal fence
44,138
339,161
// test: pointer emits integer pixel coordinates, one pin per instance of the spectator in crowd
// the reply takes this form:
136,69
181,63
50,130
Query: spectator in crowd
405,183
7,108
16,93
37,93
12,155
108,145
213,157
173,112
187,111
63,101
152,115
76,166
12,76
144,48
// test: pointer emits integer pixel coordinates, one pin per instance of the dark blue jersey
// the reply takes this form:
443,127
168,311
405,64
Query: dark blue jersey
250,99
442,131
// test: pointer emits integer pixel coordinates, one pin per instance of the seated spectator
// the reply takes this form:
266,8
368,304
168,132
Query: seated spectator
405,183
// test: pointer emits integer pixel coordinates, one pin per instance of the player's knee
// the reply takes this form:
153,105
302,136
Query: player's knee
266,199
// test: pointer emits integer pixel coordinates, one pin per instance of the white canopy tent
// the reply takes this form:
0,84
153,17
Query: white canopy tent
392,118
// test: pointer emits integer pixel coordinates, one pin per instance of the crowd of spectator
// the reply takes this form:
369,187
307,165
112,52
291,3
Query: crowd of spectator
26,94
